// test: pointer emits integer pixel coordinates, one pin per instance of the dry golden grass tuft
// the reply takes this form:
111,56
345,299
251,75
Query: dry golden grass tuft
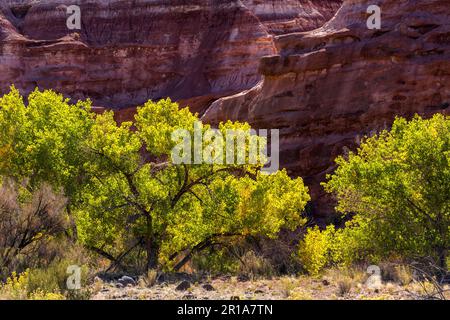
149,279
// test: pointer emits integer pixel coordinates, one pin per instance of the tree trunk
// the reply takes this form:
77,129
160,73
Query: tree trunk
442,247
152,255
72,225
442,254
151,246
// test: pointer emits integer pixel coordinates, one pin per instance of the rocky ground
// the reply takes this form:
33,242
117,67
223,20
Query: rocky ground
243,288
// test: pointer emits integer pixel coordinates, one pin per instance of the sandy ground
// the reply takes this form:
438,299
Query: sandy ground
279,288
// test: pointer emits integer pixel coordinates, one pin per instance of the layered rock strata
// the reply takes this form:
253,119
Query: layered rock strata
130,51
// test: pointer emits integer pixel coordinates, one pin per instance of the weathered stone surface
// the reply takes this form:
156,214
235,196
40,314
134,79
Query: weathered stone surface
328,87
287,16
130,51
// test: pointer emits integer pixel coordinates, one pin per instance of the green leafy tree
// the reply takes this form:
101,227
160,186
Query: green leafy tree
124,191
138,197
398,185
43,141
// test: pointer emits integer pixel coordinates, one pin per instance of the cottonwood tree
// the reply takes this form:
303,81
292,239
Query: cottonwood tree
174,210
124,193
43,141
398,184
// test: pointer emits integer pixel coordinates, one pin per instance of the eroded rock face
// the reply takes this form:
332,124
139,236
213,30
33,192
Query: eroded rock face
329,87
130,51
287,16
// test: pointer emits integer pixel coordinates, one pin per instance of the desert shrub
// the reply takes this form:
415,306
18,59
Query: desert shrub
53,279
254,266
344,248
217,260
30,223
48,283
150,278
17,287
315,249
240,259
279,253
401,274
357,273
353,244
344,285
34,250
398,183
288,285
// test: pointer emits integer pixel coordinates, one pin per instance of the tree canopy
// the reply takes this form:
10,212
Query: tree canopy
125,194
398,185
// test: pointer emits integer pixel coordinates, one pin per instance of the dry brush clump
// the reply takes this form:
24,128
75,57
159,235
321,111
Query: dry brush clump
35,251
29,223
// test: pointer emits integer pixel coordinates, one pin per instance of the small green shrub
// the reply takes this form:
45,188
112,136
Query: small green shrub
315,249
48,283
216,261
18,287
353,244
54,280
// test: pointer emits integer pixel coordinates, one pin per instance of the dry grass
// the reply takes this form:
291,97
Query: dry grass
287,285
255,266
346,280
345,285
301,295
403,275
399,274
149,279
341,286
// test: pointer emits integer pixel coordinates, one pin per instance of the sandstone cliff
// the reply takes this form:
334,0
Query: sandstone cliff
130,51
287,16
328,87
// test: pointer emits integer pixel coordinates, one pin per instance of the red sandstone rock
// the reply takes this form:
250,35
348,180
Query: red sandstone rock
329,87
130,51
287,16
